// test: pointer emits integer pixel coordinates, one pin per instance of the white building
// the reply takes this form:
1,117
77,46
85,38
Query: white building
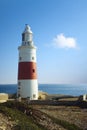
27,70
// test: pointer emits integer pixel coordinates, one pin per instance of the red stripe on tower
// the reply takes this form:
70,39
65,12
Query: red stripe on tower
27,70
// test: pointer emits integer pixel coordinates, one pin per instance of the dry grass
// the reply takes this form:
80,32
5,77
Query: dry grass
71,114
69,99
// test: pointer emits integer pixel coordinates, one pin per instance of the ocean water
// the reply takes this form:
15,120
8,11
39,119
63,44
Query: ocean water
66,89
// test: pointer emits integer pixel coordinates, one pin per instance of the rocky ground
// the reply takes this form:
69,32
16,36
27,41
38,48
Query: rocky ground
71,114
38,117
41,116
45,121
6,123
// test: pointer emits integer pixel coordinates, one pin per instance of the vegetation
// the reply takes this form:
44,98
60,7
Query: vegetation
66,124
16,110
23,122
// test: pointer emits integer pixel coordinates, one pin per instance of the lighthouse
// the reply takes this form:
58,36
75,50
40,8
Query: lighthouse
27,69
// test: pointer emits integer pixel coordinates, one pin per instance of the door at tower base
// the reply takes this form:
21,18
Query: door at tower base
28,89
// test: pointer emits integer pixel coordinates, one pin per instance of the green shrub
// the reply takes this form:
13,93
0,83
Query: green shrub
65,124
22,121
16,109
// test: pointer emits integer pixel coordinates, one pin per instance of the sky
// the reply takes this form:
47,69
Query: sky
59,31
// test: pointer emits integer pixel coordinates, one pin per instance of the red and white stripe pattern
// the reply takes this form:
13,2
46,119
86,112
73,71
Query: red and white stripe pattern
27,69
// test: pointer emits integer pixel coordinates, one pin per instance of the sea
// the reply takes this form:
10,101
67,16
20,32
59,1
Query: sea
65,89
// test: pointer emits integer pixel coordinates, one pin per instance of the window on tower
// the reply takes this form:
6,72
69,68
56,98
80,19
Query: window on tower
19,83
19,88
33,70
23,35
20,58
34,95
32,58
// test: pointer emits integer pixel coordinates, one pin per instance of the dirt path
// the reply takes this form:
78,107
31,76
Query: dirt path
45,121
5,122
39,118
74,115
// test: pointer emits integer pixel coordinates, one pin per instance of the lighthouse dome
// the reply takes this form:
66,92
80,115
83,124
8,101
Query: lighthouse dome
27,36
27,29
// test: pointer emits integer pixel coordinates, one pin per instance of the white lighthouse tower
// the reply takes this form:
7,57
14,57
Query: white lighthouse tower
27,71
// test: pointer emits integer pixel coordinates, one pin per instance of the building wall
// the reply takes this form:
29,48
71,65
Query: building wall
28,88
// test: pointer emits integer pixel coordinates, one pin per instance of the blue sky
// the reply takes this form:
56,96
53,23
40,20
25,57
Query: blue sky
59,32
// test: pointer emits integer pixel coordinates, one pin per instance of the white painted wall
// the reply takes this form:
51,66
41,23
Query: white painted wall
27,53
28,88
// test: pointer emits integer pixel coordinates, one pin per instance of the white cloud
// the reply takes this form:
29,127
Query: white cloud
64,42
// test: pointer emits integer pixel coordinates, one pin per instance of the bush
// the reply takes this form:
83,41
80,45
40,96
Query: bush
65,124
23,122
